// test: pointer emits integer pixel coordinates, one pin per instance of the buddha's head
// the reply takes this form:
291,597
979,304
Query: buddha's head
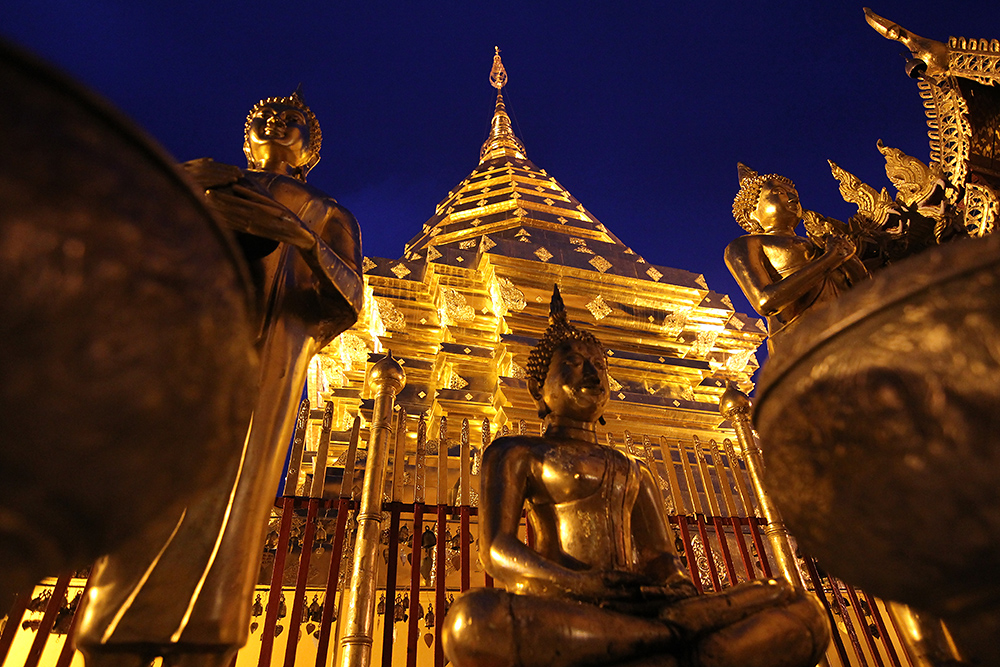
282,135
567,370
766,204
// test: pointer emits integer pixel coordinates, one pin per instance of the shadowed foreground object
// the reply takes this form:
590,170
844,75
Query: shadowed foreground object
880,419
127,358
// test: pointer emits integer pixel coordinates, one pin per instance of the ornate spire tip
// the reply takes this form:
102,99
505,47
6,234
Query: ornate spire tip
498,75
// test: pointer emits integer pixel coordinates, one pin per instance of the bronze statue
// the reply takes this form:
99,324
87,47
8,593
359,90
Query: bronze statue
603,584
187,597
783,274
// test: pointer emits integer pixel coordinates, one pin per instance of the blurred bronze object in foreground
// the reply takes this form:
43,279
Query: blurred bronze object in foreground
125,341
880,418
879,412
603,584
187,596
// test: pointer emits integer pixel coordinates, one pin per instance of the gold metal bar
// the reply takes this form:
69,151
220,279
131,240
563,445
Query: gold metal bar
322,454
668,501
442,470
465,471
735,406
399,458
420,465
298,445
724,481
347,482
630,446
706,477
387,377
689,477
675,486
741,486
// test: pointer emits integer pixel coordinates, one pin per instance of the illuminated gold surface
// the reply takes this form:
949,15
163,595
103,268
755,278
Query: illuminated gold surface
358,623
194,602
783,274
735,406
602,584
962,134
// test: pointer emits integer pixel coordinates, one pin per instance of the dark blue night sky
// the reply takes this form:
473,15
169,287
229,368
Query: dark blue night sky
641,110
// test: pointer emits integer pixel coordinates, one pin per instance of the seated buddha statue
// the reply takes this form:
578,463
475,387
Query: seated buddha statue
603,584
781,273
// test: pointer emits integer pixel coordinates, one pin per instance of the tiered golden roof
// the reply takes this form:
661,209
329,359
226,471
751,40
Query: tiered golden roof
469,298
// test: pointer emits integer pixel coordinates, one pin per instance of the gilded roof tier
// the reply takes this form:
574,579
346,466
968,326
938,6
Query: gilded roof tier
469,297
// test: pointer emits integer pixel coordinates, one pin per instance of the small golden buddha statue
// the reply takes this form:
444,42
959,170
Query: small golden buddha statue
783,274
187,596
603,584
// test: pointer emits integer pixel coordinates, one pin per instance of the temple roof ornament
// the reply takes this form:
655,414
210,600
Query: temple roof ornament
501,141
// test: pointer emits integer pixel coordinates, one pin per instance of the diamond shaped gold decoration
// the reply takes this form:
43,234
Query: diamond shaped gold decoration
584,249
562,220
468,397
621,396
576,241
598,308
467,244
467,350
450,210
514,194
481,202
476,222
549,201
653,273
539,188
600,263
651,318
367,265
459,259
611,353
432,253
520,212
422,394
400,271
543,254
737,322
677,403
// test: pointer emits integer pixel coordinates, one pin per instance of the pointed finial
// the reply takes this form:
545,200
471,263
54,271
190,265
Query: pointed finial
498,75
501,142
744,172
557,309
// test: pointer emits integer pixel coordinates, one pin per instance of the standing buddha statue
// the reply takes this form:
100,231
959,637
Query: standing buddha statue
187,596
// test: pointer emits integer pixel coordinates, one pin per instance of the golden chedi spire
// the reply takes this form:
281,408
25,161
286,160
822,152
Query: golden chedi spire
501,141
